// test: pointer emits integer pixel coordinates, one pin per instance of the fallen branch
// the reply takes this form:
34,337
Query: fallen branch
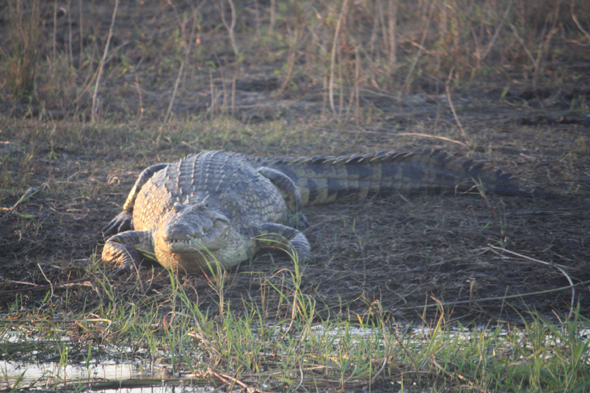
227,378
548,264
489,299
42,287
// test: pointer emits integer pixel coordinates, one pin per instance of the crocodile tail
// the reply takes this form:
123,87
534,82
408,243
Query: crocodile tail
329,179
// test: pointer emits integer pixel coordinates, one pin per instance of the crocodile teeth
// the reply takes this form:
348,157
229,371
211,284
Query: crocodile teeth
183,244
187,241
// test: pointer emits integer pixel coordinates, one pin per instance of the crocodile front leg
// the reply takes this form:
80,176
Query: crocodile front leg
125,249
124,220
290,193
285,185
285,238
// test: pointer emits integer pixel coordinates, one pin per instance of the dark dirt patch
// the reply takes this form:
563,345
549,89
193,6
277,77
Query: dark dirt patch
404,251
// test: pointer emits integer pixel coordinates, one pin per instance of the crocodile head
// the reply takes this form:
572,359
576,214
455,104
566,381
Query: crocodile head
189,237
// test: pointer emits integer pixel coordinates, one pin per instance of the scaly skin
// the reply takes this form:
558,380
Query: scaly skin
217,209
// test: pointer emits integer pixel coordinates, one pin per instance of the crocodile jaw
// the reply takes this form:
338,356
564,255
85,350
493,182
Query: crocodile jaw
185,258
194,239
183,245
187,255
190,238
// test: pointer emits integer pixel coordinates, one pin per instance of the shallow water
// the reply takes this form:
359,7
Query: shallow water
137,376
125,377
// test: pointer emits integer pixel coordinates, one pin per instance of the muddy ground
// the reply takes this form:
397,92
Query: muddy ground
404,251
397,255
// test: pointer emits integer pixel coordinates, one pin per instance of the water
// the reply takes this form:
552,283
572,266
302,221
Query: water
137,376
96,374
134,377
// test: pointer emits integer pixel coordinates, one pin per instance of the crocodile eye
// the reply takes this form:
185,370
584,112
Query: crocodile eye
221,221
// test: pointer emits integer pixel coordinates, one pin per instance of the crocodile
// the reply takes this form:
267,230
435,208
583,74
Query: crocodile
216,209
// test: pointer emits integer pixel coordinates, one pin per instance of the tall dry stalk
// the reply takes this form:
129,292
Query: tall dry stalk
102,62
577,22
426,25
333,58
443,19
521,41
81,34
140,96
374,33
257,19
392,19
213,107
182,65
271,27
70,50
54,56
381,12
354,92
497,32
231,26
548,33
450,101
357,77
291,58
341,79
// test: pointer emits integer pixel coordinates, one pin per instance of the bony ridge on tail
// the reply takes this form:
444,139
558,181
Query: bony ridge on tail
222,208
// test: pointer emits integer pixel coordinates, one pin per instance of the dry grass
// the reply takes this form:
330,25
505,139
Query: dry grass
338,54
24,45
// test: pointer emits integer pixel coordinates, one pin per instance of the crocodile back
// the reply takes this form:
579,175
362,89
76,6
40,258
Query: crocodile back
224,181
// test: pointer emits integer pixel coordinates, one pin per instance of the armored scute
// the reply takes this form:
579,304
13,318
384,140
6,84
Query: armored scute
217,209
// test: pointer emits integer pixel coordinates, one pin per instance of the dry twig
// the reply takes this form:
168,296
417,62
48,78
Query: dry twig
529,54
230,27
497,32
227,378
503,298
448,90
577,22
81,281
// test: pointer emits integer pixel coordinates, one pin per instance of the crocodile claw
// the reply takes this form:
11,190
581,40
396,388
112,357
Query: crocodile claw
121,223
